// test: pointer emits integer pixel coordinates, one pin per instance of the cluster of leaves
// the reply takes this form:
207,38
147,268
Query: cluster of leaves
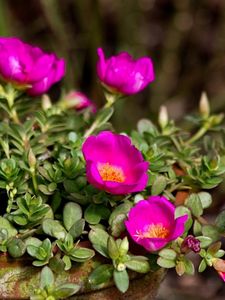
50,212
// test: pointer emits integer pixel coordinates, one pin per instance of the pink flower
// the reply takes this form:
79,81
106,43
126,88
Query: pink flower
28,66
79,101
222,275
113,164
124,75
152,224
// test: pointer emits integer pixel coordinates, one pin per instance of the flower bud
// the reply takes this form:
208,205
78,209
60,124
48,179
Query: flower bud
78,101
190,243
46,102
204,107
163,116
121,267
31,159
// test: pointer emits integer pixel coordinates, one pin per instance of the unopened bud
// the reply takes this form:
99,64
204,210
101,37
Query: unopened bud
163,116
204,107
46,102
121,267
190,243
31,159
124,246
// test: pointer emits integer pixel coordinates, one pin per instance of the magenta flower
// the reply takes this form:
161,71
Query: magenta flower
28,66
79,101
124,75
113,164
152,224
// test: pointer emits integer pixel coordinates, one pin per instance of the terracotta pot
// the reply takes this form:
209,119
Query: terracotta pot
18,279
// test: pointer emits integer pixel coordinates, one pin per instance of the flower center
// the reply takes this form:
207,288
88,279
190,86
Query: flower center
153,231
111,173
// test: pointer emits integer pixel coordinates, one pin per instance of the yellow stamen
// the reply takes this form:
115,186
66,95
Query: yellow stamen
111,173
153,231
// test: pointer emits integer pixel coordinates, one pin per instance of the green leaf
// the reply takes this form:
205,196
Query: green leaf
180,268
72,212
181,211
189,267
112,248
121,280
44,189
137,265
124,246
202,266
123,208
91,214
32,250
47,277
195,204
66,290
220,221
118,226
101,274
99,240
95,212
165,263
159,185
54,228
168,254
5,224
67,262
197,228
211,231
56,264
16,247
77,228
33,241
20,220
81,254
204,241
145,125
206,199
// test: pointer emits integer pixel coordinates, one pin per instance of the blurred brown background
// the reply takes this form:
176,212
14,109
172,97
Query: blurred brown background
186,40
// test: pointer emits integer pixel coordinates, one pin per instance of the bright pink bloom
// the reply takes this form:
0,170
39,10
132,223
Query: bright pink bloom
79,101
222,275
123,74
113,164
152,224
28,66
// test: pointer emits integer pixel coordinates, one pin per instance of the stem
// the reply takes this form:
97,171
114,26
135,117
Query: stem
111,99
10,97
28,233
178,186
14,116
34,181
198,135
91,129
202,221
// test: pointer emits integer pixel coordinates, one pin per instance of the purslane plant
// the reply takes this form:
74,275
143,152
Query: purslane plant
67,178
